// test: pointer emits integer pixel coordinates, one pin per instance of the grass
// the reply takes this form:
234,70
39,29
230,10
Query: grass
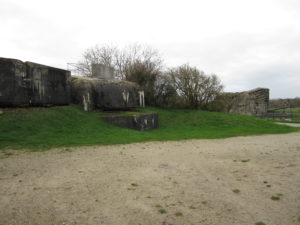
245,160
39,129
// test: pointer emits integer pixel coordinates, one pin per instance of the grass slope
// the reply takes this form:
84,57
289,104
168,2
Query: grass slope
43,128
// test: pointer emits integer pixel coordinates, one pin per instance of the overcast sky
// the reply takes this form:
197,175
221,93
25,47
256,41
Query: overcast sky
247,43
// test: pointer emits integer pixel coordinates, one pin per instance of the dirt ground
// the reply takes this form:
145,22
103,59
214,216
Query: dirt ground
210,182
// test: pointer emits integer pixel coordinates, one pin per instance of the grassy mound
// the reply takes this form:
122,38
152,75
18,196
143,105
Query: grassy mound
44,128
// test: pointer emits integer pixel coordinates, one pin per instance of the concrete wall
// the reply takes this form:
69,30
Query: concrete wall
138,122
102,71
94,93
30,83
254,102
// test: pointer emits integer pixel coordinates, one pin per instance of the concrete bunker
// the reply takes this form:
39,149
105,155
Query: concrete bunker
96,93
102,91
253,103
29,84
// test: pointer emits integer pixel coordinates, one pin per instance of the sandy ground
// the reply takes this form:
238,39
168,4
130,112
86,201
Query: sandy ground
193,181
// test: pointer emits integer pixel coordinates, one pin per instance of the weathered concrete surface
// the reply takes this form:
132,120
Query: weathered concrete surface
102,71
95,93
138,122
30,83
254,102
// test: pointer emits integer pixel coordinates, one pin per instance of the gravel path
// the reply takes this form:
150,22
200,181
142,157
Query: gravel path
210,182
290,124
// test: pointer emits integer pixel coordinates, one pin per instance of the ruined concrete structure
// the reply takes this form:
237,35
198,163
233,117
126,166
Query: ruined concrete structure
138,122
27,83
254,102
95,93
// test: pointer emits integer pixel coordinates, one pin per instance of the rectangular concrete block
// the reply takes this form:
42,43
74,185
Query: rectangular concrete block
49,85
28,83
103,72
13,85
138,122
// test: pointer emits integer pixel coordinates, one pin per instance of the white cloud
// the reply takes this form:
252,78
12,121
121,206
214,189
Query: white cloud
245,42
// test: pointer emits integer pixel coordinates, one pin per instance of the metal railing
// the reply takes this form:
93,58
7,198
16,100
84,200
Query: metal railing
281,115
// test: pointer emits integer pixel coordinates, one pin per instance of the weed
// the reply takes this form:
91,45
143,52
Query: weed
192,207
162,211
245,160
275,198
158,206
268,185
66,150
260,223
178,214
204,202
134,185
236,191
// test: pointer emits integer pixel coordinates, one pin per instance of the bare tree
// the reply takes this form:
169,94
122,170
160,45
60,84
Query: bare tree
194,85
119,59
106,55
